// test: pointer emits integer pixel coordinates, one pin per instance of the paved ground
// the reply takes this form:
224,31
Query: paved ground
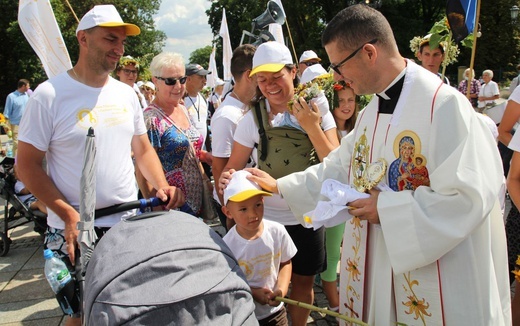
26,298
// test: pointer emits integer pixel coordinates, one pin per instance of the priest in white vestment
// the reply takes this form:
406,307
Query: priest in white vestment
433,250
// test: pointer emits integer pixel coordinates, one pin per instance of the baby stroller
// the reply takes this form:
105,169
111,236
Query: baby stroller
158,268
14,208
165,268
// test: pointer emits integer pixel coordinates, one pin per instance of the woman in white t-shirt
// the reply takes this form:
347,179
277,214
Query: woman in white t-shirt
276,74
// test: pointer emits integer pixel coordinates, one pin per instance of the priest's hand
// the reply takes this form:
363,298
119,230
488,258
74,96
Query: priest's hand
264,180
366,209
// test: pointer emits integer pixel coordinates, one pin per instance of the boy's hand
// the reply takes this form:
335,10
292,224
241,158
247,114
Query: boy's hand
264,296
271,297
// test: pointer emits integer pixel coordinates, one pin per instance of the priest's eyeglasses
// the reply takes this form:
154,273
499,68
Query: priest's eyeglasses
172,81
336,67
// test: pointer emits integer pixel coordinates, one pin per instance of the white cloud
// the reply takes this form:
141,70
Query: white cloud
186,25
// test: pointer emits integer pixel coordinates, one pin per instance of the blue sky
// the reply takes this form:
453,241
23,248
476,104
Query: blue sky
185,24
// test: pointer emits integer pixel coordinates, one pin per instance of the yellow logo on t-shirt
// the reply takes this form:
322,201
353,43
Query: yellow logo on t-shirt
87,118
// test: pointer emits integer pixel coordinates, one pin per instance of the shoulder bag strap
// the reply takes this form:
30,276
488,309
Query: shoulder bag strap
261,132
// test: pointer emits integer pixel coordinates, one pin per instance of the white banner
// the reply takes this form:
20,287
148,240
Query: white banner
227,51
213,77
276,29
38,24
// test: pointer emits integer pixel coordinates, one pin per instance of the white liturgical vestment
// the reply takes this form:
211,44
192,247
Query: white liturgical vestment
438,256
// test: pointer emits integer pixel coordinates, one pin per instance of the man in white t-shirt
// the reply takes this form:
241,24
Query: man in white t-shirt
58,116
489,91
230,112
194,101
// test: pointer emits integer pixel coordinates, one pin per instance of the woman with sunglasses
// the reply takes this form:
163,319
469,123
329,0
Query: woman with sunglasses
276,77
172,134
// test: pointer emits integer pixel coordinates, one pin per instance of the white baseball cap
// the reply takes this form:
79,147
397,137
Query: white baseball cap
270,57
312,72
309,55
240,188
106,16
149,84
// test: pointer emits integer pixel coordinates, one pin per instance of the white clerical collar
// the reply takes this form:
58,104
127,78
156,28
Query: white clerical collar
383,93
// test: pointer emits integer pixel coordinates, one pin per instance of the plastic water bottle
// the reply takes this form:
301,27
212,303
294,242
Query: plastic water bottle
9,145
56,271
58,276
9,149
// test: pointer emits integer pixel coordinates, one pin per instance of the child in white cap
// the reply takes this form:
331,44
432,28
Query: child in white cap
263,248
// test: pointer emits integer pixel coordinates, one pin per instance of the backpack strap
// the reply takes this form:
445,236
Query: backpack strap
261,131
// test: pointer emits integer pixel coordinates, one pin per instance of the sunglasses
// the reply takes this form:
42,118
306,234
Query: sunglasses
336,67
129,71
308,64
172,81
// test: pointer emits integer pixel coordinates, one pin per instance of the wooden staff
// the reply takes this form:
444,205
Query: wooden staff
322,310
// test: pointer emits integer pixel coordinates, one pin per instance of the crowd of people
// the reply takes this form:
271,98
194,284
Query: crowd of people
427,241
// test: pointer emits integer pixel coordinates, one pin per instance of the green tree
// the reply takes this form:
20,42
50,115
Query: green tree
201,56
306,19
497,49
20,61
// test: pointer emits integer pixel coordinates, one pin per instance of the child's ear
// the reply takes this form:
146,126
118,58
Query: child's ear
226,211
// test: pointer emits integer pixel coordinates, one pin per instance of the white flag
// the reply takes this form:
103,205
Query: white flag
38,24
227,52
213,77
276,29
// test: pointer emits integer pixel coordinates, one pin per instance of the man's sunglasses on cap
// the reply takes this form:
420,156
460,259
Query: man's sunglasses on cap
310,63
172,81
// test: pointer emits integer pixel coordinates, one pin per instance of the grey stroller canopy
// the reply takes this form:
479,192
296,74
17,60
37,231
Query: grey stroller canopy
165,269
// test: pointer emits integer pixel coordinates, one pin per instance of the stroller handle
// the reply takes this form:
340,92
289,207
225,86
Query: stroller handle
141,204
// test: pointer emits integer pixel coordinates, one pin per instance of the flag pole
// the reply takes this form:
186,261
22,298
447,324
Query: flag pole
70,7
292,43
446,54
473,50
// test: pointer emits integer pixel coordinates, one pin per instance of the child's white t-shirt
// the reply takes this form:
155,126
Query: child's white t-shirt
260,258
